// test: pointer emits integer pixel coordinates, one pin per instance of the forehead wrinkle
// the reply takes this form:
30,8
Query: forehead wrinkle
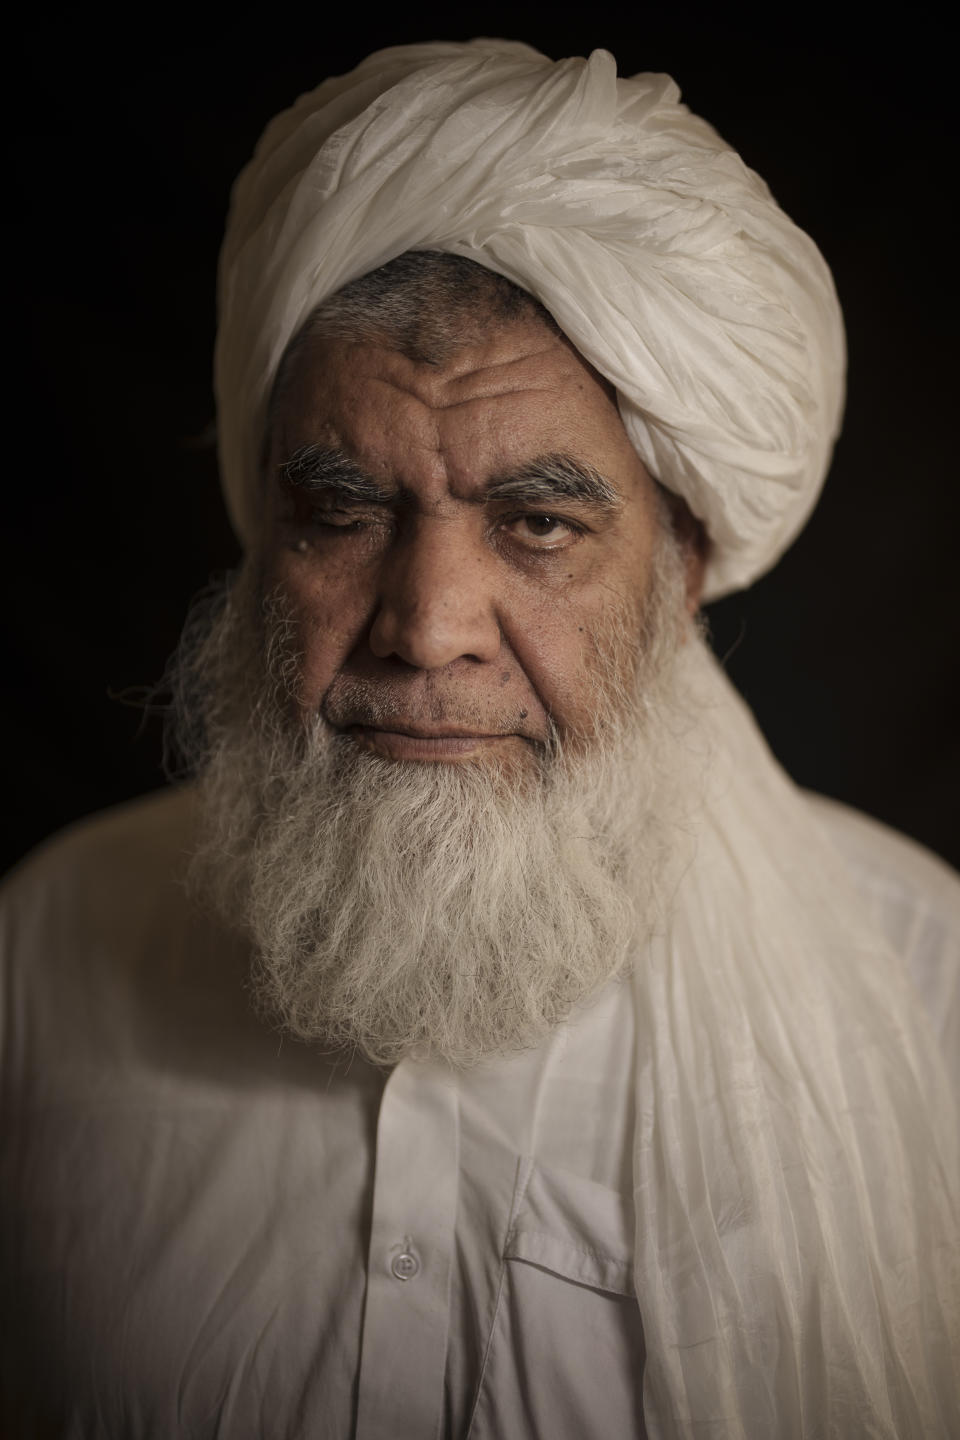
426,396
493,395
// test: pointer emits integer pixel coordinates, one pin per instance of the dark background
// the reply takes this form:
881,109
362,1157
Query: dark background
122,144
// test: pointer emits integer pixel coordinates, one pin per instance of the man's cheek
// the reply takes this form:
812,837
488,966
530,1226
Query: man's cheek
555,677
324,637
559,647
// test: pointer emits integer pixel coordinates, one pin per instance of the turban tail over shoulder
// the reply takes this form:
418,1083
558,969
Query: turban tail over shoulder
663,258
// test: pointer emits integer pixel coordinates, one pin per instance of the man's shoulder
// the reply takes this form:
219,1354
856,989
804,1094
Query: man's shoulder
143,839
107,961
99,885
888,862
914,897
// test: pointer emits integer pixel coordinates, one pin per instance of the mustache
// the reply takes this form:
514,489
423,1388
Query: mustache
422,709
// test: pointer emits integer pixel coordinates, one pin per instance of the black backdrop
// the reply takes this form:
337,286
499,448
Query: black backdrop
122,147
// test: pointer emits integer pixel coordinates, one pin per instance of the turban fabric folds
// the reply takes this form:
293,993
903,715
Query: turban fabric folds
662,257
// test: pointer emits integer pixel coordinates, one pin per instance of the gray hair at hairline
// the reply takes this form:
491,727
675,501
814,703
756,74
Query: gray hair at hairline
425,304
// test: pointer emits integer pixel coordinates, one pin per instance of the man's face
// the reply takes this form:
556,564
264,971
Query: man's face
453,540
472,564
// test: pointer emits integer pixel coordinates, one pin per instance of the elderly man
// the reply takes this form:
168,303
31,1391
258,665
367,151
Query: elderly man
491,1041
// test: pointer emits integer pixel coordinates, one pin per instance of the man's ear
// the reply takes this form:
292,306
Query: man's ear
695,544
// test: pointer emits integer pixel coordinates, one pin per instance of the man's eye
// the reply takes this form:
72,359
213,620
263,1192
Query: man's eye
338,519
548,530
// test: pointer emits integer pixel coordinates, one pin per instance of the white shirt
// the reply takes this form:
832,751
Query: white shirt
210,1231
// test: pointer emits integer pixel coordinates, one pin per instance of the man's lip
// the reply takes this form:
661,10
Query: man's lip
441,743
423,732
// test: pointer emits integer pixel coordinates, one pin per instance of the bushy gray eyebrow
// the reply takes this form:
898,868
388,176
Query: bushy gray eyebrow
545,480
317,468
549,478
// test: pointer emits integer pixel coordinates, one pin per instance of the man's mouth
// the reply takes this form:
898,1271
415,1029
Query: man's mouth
436,743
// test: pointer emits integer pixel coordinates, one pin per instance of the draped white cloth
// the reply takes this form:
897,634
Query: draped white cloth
796,1162
660,254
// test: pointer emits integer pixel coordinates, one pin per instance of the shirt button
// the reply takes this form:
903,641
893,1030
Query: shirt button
405,1265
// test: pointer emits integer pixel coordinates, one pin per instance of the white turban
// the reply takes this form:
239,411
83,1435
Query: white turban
663,258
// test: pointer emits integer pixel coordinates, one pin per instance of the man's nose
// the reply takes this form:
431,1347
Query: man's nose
436,601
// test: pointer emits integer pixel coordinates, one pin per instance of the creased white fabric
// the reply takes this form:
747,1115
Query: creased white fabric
660,254
796,1166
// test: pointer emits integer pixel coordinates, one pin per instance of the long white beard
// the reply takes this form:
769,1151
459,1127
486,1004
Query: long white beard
431,909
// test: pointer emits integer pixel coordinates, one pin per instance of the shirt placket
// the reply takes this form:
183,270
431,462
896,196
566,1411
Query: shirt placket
406,1316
